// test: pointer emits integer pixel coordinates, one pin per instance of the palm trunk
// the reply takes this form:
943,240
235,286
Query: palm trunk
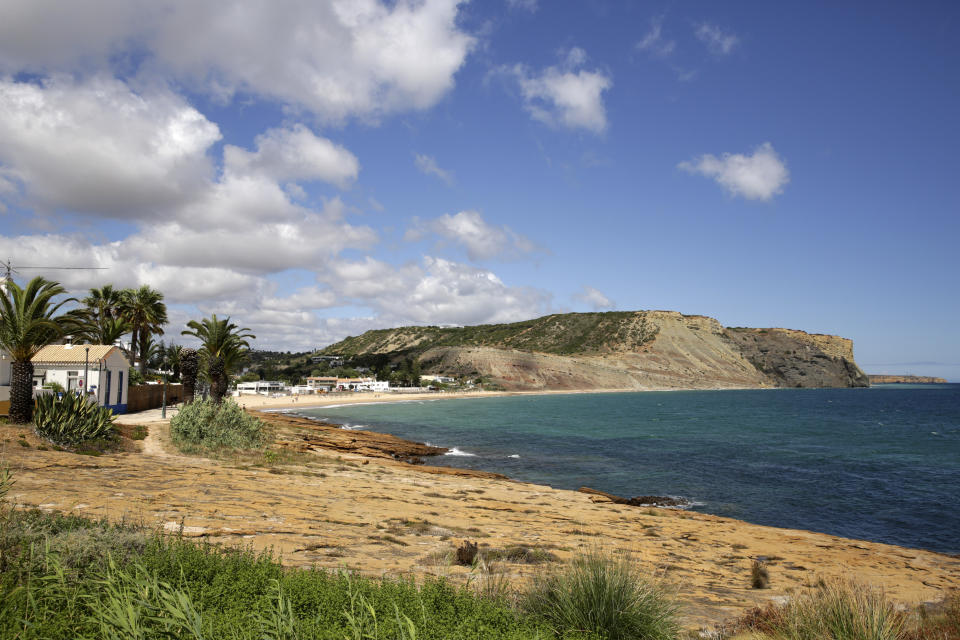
21,392
144,336
218,379
188,372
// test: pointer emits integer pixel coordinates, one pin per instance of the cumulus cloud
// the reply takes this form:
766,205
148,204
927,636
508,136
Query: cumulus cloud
653,41
596,299
759,176
481,240
294,154
717,41
336,58
565,95
96,146
428,166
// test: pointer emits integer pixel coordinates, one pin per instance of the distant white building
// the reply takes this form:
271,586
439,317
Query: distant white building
261,387
105,367
362,384
438,379
322,383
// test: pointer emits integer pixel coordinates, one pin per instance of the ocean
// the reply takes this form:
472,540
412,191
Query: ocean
879,464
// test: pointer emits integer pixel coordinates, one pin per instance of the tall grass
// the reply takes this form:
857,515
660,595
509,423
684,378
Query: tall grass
836,610
604,595
134,583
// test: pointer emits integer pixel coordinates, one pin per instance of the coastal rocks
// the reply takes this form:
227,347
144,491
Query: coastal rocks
310,435
638,501
885,379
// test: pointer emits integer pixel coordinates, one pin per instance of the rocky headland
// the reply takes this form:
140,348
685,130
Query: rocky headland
630,350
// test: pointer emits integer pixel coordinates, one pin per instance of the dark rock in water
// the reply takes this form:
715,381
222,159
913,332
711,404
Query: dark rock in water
639,501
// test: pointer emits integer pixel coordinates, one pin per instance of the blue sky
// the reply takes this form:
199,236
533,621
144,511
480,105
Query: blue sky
315,169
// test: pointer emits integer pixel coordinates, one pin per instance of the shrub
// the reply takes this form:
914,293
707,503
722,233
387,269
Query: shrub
72,420
838,610
759,575
604,595
205,425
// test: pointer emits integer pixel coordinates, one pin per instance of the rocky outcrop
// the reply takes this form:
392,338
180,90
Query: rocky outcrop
885,379
619,350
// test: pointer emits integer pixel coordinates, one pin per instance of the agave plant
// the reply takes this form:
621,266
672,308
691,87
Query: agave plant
71,419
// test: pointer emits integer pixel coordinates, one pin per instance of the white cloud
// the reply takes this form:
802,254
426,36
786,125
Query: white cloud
566,96
294,154
98,147
336,58
428,166
482,241
654,42
596,299
760,176
717,41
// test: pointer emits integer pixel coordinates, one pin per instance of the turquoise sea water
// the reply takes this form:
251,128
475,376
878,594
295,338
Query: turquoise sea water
878,464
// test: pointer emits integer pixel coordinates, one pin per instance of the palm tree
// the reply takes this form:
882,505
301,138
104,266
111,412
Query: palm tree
225,345
27,324
146,313
171,359
102,330
105,302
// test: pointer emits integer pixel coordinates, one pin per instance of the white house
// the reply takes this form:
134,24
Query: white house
362,384
261,387
4,379
105,366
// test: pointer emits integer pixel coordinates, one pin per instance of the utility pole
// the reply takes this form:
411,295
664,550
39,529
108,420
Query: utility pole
86,371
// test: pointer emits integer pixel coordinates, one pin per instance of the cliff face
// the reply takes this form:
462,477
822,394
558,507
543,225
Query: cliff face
885,379
620,350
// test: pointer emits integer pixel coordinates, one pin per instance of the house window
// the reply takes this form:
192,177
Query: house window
73,380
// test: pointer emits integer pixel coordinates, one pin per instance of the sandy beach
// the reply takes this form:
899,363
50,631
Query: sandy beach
358,508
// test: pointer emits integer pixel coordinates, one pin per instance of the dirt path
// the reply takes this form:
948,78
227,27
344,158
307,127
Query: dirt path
378,516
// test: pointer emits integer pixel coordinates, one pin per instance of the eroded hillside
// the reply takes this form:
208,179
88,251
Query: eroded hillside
618,350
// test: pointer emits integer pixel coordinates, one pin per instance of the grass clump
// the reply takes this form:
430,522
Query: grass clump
837,610
203,426
604,595
759,575
72,420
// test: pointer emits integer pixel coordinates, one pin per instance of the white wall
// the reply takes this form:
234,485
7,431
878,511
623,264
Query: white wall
4,368
97,378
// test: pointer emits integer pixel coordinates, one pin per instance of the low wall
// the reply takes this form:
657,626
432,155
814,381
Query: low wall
150,396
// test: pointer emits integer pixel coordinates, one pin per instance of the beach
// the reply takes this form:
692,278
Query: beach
365,511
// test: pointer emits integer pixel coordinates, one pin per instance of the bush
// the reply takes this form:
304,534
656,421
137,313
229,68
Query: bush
838,610
205,425
72,420
604,595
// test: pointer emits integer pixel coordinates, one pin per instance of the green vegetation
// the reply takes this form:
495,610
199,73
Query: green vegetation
562,334
68,577
205,426
28,323
72,420
607,596
847,611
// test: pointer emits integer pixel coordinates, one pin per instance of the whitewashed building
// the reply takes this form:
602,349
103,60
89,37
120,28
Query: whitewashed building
4,380
362,384
105,366
261,387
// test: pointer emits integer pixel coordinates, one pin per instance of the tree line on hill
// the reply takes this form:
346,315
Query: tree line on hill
34,316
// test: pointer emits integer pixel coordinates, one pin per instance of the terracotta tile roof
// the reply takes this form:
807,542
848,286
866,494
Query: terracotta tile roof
76,354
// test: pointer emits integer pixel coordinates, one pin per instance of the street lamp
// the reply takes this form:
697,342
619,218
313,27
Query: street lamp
86,370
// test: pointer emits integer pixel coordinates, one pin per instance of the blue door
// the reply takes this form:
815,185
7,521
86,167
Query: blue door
106,394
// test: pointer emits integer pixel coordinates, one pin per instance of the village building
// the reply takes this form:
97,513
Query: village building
261,387
105,367
322,383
